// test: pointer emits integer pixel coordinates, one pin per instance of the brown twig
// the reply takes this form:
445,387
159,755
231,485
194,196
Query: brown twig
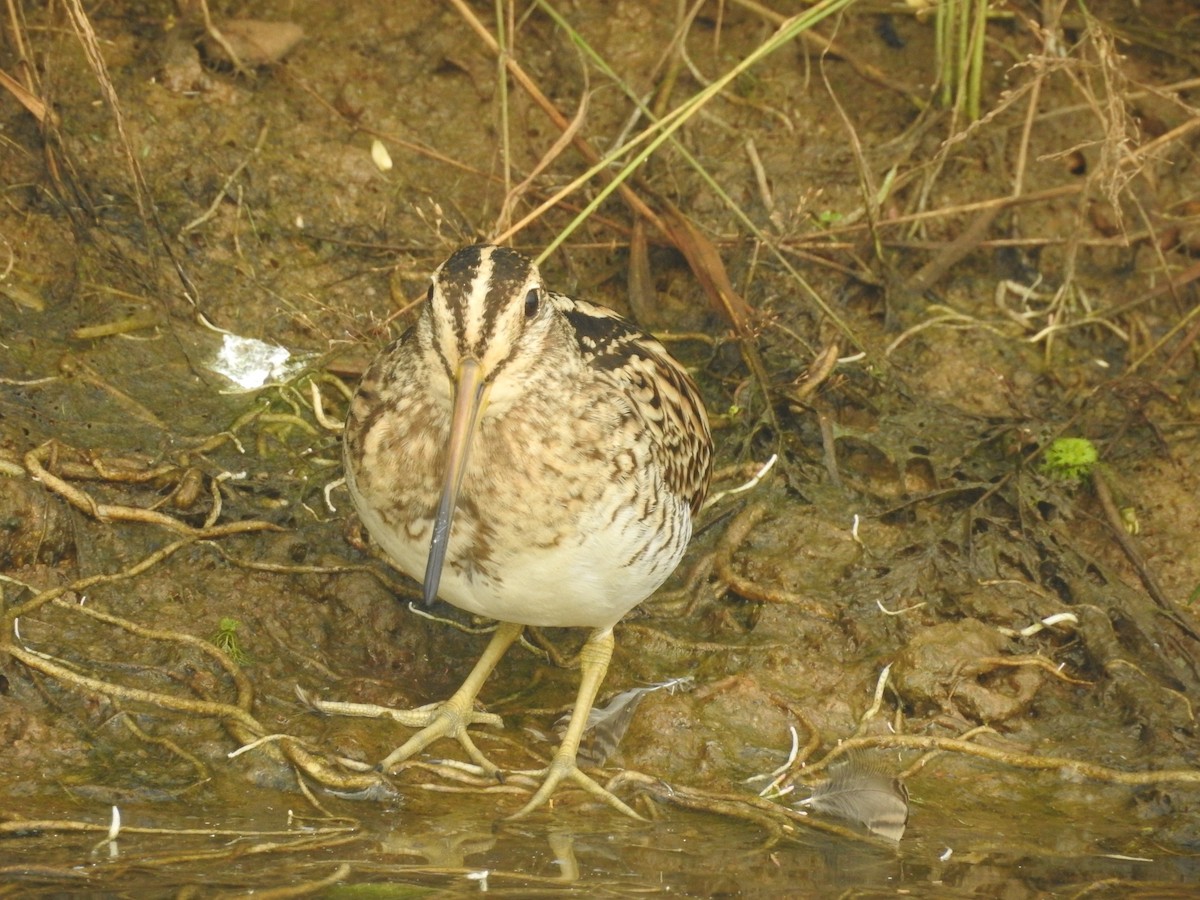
1091,770
735,535
1128,547
105,512
949,256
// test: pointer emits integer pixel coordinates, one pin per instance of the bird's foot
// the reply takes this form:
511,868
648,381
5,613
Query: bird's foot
564,768
436,720
447,719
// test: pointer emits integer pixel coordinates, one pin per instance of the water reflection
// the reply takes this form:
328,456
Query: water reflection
462,846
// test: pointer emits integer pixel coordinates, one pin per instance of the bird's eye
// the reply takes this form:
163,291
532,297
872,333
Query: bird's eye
531,303
429,296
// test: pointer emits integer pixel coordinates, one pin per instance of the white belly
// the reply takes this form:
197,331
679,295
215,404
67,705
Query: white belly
610,564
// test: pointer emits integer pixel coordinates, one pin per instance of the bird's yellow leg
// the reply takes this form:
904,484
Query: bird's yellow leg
451,719
593,662
436,720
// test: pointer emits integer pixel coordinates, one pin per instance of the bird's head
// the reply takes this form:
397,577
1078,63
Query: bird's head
487,324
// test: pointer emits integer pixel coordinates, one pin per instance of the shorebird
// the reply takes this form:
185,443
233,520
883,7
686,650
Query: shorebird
530,458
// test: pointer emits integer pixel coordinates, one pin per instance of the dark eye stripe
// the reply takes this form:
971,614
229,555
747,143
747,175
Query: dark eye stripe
477,284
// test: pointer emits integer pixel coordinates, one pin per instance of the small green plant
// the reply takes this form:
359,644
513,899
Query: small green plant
1070,459
226,639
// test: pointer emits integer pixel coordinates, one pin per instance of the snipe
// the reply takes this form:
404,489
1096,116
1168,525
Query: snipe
534,459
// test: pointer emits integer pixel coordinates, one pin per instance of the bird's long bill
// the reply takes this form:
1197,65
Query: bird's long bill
470,397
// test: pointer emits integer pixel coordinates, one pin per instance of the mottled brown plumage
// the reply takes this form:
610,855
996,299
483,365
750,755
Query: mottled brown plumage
532,458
